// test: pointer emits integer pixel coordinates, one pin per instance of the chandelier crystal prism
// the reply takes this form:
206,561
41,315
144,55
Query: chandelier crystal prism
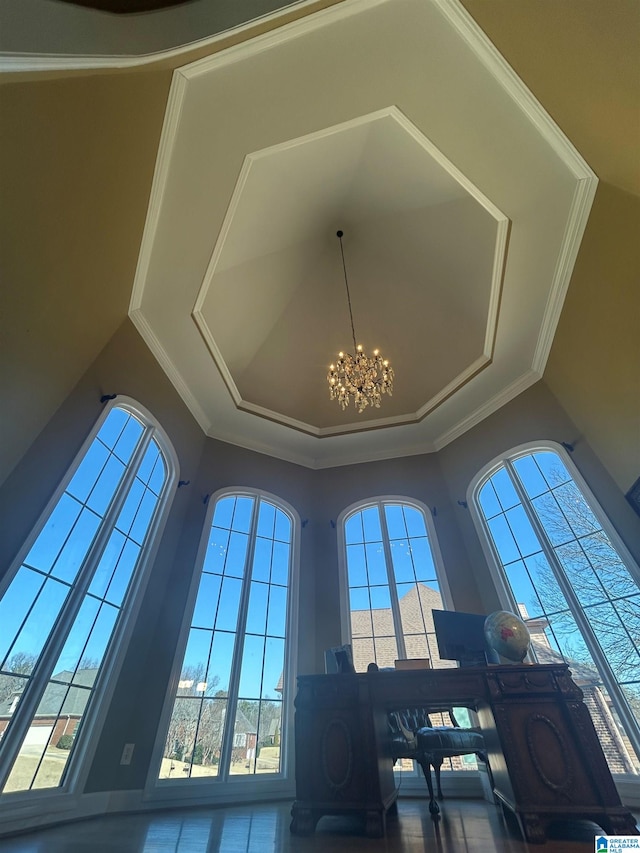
361,377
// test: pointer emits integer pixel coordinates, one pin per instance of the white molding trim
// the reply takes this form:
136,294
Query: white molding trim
310,23
149,336
168,137
21,62
497,280
496,64
577,222
530,377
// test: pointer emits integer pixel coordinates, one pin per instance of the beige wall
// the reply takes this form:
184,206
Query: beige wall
594,366
76,162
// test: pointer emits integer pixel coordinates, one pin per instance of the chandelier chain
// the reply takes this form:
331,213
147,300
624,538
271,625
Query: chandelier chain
346,284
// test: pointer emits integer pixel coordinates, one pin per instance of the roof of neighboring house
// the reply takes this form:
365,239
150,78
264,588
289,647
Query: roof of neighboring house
62,696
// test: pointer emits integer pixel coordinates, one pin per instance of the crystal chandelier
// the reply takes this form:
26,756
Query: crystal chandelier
365,378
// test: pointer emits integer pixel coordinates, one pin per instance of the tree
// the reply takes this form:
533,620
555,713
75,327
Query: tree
193,718
602,583
20,663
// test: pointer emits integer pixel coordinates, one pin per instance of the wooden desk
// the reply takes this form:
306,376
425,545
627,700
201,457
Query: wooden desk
544,753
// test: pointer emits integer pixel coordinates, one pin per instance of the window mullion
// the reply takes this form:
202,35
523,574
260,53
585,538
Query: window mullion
577,612
43,669
393,591
236,664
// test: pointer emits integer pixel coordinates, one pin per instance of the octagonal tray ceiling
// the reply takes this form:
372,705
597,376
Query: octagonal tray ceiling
427,151
276,273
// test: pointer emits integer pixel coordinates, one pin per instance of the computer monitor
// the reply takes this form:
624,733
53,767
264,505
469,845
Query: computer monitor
460,637
339,659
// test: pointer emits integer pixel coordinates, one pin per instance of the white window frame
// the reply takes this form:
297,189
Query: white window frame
64,797
234,788
343,576
495,564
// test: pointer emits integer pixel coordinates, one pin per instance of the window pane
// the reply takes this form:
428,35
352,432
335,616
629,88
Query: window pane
402,562
280,563
353,531
257,613
143,517
261,570
251,672
36,629
220,662
273,667
128,439
105,488
277,619
489,501
371,524
149,462
88,471
414,521
422,559
74,646
266,520
216,551
503,539
507,495
76,547
207,601
283,527
530,476
376,565
223,512
107,564
130,508
180,740
15,605
522,531
229,604
112,427
236,554
54,534
205,758
242,514
124,572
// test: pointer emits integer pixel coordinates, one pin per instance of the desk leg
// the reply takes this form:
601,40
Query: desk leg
303,820
375,824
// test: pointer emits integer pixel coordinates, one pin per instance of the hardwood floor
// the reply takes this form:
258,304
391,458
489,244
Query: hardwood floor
466,826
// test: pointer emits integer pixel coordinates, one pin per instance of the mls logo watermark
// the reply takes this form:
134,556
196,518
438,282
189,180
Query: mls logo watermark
616,843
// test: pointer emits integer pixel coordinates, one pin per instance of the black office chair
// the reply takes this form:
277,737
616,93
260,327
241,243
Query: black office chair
413,736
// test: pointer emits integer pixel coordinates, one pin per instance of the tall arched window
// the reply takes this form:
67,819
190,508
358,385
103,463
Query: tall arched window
66,599
393,581
563,566
229,708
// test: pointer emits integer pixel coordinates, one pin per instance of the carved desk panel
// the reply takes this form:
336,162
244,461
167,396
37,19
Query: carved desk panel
544,753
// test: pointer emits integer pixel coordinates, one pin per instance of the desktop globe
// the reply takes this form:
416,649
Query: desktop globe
507,634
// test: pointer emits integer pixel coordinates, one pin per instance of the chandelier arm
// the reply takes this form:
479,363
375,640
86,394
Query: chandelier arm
346,284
